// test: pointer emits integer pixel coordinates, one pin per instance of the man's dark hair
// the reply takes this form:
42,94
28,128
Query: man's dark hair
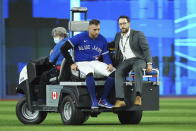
94,22
124,17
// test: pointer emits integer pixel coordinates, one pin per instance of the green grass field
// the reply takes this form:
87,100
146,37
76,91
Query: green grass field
176,114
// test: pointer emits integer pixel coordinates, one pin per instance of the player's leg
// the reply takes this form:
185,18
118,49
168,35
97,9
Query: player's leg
88,71
101,68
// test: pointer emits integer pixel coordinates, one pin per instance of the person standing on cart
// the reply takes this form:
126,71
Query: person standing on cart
88,47
132,53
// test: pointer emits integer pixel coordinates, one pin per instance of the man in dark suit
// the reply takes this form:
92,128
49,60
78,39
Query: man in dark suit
132,53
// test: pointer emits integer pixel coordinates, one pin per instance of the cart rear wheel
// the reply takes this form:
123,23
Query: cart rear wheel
70,114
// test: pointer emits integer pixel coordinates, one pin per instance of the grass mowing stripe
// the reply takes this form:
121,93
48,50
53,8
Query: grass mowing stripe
171,115
174,115
192,100
8,110
181,106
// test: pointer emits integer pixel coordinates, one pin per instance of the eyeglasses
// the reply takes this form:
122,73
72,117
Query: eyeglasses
124,23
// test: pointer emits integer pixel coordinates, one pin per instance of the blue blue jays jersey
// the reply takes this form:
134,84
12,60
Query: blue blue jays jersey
56,57
88,49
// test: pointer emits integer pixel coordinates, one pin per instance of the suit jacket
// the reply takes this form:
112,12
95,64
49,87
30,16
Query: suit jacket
138,44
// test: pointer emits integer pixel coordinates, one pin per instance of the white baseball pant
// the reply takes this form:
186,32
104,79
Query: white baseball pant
95,67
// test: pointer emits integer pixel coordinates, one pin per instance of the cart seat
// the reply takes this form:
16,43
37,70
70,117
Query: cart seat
56,78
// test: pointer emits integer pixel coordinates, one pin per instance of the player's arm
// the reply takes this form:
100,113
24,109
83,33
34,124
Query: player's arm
64,50
71,43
